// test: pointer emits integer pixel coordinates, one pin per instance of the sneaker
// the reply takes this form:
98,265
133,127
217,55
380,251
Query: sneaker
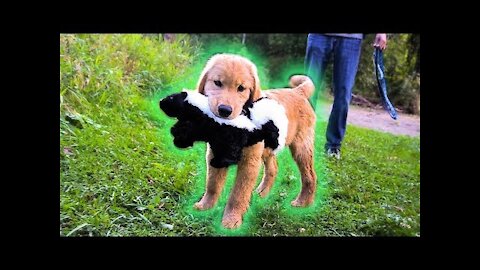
333,152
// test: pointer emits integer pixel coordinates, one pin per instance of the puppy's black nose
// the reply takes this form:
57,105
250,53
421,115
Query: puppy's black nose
224,110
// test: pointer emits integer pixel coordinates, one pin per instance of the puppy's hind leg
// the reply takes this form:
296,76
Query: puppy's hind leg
215,182
302,152
269,174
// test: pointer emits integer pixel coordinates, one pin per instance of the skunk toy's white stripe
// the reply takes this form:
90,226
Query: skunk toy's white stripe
201,101
267,109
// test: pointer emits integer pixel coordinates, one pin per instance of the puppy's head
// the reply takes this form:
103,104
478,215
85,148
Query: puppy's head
229,81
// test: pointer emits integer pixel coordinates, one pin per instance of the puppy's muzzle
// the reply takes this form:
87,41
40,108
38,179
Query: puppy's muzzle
224,110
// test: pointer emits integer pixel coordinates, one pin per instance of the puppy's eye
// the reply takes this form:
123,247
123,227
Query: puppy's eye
241,88
218,83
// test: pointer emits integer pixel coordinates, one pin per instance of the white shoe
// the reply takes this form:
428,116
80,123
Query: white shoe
333,152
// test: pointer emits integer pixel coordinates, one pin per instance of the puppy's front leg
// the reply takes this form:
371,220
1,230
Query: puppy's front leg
215,182
247,172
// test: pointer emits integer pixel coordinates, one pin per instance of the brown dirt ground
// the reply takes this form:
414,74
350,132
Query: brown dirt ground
379,119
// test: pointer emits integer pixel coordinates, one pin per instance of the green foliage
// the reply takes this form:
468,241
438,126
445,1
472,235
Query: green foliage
120,174
94,67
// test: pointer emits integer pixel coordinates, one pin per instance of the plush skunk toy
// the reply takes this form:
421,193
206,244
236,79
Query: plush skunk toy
227,138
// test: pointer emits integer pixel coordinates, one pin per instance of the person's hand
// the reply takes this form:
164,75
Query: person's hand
380,41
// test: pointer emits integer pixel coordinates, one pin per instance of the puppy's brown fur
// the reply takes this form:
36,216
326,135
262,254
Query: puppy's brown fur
233,71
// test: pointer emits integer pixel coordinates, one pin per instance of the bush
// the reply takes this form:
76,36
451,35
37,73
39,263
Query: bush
102,70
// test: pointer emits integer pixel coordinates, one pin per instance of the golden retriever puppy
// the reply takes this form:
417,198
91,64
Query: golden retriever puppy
231,82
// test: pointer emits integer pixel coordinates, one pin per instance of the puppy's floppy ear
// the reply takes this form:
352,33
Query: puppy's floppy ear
202,81
256,91
203,76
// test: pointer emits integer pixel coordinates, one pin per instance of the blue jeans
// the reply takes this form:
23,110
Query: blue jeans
346,55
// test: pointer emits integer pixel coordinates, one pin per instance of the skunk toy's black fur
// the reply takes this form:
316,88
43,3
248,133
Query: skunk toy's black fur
226,141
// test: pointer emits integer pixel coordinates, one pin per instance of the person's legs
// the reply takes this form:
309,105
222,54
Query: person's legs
346,58
319,49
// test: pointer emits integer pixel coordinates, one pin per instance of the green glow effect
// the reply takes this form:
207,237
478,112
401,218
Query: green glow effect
287,183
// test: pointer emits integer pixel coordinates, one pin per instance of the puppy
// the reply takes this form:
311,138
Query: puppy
231,82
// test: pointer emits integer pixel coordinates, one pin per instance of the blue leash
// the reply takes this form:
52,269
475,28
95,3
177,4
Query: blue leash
382,83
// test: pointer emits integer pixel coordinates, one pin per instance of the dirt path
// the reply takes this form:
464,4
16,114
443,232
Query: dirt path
406,124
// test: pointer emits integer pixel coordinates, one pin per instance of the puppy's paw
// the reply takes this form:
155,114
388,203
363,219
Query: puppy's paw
300,202
203,205
263,190
232,221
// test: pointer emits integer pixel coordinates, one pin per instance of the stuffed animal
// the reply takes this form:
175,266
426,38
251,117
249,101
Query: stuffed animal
226,137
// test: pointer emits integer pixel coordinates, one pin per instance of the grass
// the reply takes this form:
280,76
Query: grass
121,175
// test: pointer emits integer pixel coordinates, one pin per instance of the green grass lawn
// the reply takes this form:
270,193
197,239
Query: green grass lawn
120,174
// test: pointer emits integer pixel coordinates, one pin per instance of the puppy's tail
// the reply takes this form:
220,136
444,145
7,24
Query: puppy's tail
303,85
